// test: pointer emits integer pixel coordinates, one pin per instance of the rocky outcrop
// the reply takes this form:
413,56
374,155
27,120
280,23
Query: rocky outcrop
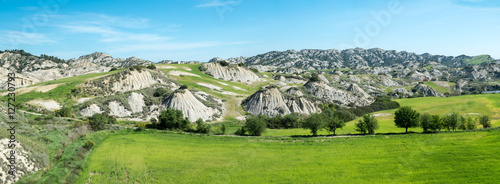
231,72
386,81
24,161
192,108
290,79
106,60
349,58
136,102
328,93
426,90
127,80
91,110
271,101
116,109
356,90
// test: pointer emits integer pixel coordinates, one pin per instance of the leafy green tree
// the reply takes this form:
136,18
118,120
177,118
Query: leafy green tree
485,121
202,127
367,124
435,124
151,66
451,121
467,123
223,129
426,122
64,112
98,121
314,122
405,117
255,125
172,119
332,121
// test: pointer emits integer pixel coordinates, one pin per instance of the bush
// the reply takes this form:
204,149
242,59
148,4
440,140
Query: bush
240,131
88,144
344,115
255,125
223,63
426,122
173,119
405,117
98,121
160,92
241,64
314,122
435,124
183,87
451,121
151,66
467,123
485,121
314,77
201,127
254,70
153,122
64,112
141,126
368,124
223,129
113,69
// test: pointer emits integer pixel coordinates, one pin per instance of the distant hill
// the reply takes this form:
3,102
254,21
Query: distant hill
312,59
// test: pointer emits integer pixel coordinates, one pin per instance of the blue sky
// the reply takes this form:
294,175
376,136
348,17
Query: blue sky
203,29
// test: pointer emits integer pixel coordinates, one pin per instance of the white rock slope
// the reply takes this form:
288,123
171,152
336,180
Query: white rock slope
191,107
230,73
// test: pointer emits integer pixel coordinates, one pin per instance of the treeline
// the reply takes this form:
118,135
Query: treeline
173,119
406,117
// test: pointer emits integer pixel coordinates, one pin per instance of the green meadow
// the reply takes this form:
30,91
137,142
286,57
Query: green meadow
165,157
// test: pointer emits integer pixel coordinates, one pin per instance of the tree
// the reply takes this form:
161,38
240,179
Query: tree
485,121
223,129
451,121
314,123
201,127
151,66
426,122
405,117
332,121
172,119
435,124
255,125
368,123
98,121
64,112
467,123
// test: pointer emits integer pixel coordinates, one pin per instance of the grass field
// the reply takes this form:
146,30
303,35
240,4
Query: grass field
154,157
484,104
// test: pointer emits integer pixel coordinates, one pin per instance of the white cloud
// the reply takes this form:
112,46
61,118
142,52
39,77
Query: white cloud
217,3
16,38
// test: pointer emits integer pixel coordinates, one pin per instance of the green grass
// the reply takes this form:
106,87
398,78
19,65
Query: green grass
437,87
484,104
478,59
153,157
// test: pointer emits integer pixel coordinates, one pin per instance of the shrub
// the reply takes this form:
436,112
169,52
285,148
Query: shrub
314,122
64,112
183,87
344,115
172,119
141,126
98,121
223,129
88,144
426,122
201,127
223,63
405,117
241,64
485,121
254,70
451,121
153,121
368,124
467,123
113,69
151,66
160,92
255,125
240,131
314,77
435,124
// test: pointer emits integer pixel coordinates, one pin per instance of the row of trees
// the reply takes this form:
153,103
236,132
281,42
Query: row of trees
173,119
406,117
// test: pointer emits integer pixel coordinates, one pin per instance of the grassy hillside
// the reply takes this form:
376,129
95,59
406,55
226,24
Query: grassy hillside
478,59
155,157
484,104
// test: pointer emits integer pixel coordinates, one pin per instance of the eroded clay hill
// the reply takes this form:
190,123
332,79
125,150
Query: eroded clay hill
229,72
